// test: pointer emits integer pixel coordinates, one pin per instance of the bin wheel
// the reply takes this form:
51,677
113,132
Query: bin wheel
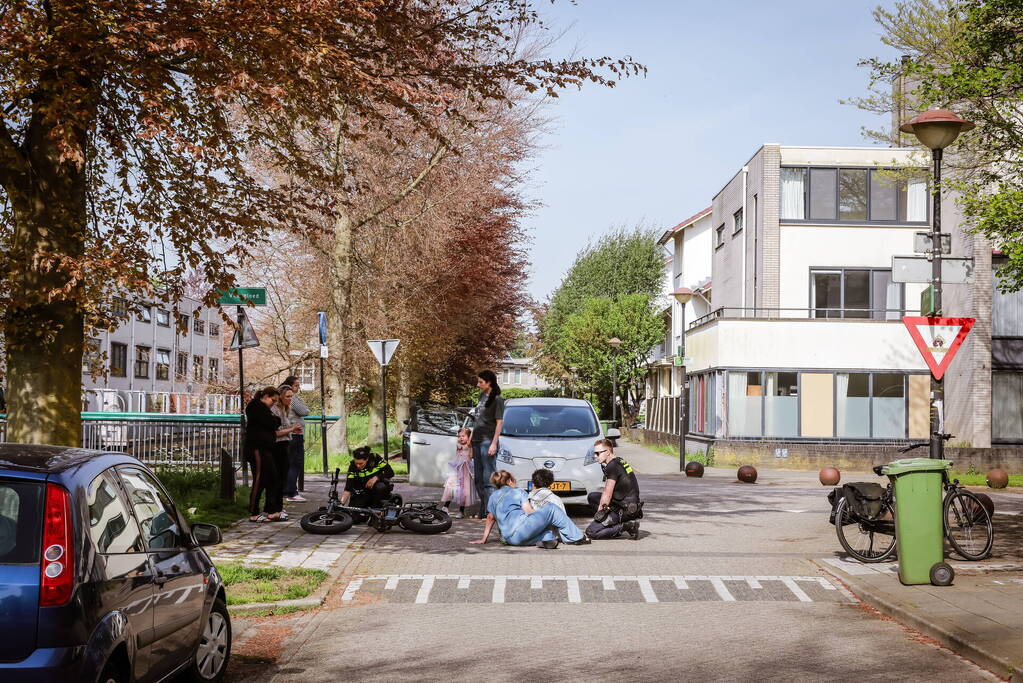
942,574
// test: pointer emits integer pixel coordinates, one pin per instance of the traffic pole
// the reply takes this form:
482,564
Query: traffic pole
241,398
383,407
937,446
323,415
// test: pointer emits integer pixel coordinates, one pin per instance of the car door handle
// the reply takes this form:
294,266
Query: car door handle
421,443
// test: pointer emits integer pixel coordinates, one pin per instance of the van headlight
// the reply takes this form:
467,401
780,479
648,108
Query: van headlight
590,459
505,456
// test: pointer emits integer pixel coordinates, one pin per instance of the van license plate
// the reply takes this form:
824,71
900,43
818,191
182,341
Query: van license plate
561,486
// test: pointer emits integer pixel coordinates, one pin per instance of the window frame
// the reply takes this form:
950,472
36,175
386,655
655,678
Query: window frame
720,239
198,325
807,193
145,314
166,366
212,368
198,368
738,221
114,348
181,376
163,317
138,363
841,311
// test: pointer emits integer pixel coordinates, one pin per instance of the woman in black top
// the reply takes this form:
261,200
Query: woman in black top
261,427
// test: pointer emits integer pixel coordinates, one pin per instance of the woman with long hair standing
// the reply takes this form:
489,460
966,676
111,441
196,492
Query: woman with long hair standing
486,435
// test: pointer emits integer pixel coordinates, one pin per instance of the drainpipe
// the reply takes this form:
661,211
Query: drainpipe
745,234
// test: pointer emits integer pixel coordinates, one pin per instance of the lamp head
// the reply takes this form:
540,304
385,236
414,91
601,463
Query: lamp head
682,295
937,128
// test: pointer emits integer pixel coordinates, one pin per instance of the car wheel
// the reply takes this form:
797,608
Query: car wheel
113,672
210,660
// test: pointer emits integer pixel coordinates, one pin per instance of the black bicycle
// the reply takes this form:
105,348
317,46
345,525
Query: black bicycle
967,522
335,518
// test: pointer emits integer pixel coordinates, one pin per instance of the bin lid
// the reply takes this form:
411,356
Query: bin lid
897,467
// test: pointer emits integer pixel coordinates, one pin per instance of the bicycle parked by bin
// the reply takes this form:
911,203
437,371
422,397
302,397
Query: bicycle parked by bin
967,522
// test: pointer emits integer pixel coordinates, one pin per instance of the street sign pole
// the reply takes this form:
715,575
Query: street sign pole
683,419
383,349
241,400
383,407
937,449
323,389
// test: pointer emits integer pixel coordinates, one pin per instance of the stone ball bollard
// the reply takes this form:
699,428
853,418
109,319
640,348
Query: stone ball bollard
997,478
829,476
747,474
694,469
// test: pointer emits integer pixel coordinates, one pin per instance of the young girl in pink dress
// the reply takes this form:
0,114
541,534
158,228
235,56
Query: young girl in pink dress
458,486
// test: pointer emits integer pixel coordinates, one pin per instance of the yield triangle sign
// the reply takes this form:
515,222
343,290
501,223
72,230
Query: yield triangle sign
383,349
938,339
244,336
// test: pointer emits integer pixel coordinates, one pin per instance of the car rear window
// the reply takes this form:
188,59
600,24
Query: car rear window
21,517
549,421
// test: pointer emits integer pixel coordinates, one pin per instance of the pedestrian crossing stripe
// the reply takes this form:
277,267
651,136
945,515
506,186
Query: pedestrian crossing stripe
499,584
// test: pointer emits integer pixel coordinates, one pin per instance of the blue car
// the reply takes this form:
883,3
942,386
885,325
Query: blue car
101,578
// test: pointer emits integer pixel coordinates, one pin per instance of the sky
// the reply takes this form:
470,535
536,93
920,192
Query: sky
723,78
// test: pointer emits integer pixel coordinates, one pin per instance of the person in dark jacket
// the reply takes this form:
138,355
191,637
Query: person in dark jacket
369,480
486,435
262,428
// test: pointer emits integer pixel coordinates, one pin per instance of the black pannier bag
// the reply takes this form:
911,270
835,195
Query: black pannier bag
835,497
865,499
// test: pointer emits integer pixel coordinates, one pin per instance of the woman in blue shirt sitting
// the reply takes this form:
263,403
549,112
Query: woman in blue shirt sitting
520,524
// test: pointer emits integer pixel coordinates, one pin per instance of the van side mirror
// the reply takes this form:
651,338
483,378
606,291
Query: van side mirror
206,534
613,433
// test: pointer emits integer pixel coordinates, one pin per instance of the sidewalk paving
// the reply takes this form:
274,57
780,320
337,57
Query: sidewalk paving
979,617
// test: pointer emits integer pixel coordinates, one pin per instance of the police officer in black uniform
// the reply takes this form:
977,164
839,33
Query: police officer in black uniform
369,480
617,508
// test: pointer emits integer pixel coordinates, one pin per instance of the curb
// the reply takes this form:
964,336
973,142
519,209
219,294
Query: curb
975,653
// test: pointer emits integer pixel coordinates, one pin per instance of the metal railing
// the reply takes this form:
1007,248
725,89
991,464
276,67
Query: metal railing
172,440
760,313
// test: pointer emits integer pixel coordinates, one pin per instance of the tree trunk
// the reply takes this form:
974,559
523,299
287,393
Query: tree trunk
45,337
376,417
337,328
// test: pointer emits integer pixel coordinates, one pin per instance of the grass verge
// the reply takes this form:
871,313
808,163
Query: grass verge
268,584
196,492
974,478
705,459
269,612
358,429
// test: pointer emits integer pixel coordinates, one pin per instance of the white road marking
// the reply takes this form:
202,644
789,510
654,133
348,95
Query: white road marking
391,584
498,594
609,583
646,589
423,596
536,583
463,582
721,589
680,583
753,583
353,586
573,589
796,590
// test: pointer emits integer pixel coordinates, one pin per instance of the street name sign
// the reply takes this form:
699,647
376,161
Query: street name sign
242,296
938,339
247,338
954,271
922,242
383,349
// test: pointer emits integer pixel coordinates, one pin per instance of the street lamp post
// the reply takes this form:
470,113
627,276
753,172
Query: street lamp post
615,343
682,296
575,378
936,129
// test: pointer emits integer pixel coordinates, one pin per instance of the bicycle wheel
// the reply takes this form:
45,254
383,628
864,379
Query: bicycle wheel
968,525
866,541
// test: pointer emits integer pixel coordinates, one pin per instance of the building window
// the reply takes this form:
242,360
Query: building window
214,370
888,406
720,239
118,359
183,322
198,324
702,417
214,329
781,404
120,308
306,373
142,362
91,354
855,293
145,314
181,366
198,368
1006,406
737,221
163,317
518,376
745,404
163,357
852,195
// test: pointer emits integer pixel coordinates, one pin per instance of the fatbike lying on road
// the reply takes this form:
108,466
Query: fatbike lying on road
335,518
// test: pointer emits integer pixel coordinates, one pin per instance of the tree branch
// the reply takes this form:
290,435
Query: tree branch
438,156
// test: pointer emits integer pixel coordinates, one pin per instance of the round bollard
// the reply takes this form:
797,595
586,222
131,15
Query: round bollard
997,478
694,469
829,476
747,474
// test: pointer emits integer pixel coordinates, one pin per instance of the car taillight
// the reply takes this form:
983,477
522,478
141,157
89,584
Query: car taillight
57,565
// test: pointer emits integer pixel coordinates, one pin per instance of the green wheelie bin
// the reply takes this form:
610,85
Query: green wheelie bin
919,530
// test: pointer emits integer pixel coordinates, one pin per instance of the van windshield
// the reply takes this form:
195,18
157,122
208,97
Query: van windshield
21,516
550,421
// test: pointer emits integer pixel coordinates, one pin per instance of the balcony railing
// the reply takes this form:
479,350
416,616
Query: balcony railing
760,313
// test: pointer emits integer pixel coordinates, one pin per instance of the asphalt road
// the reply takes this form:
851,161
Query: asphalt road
721,585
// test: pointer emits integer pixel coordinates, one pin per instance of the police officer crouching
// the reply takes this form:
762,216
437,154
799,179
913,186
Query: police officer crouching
617,508
369,480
